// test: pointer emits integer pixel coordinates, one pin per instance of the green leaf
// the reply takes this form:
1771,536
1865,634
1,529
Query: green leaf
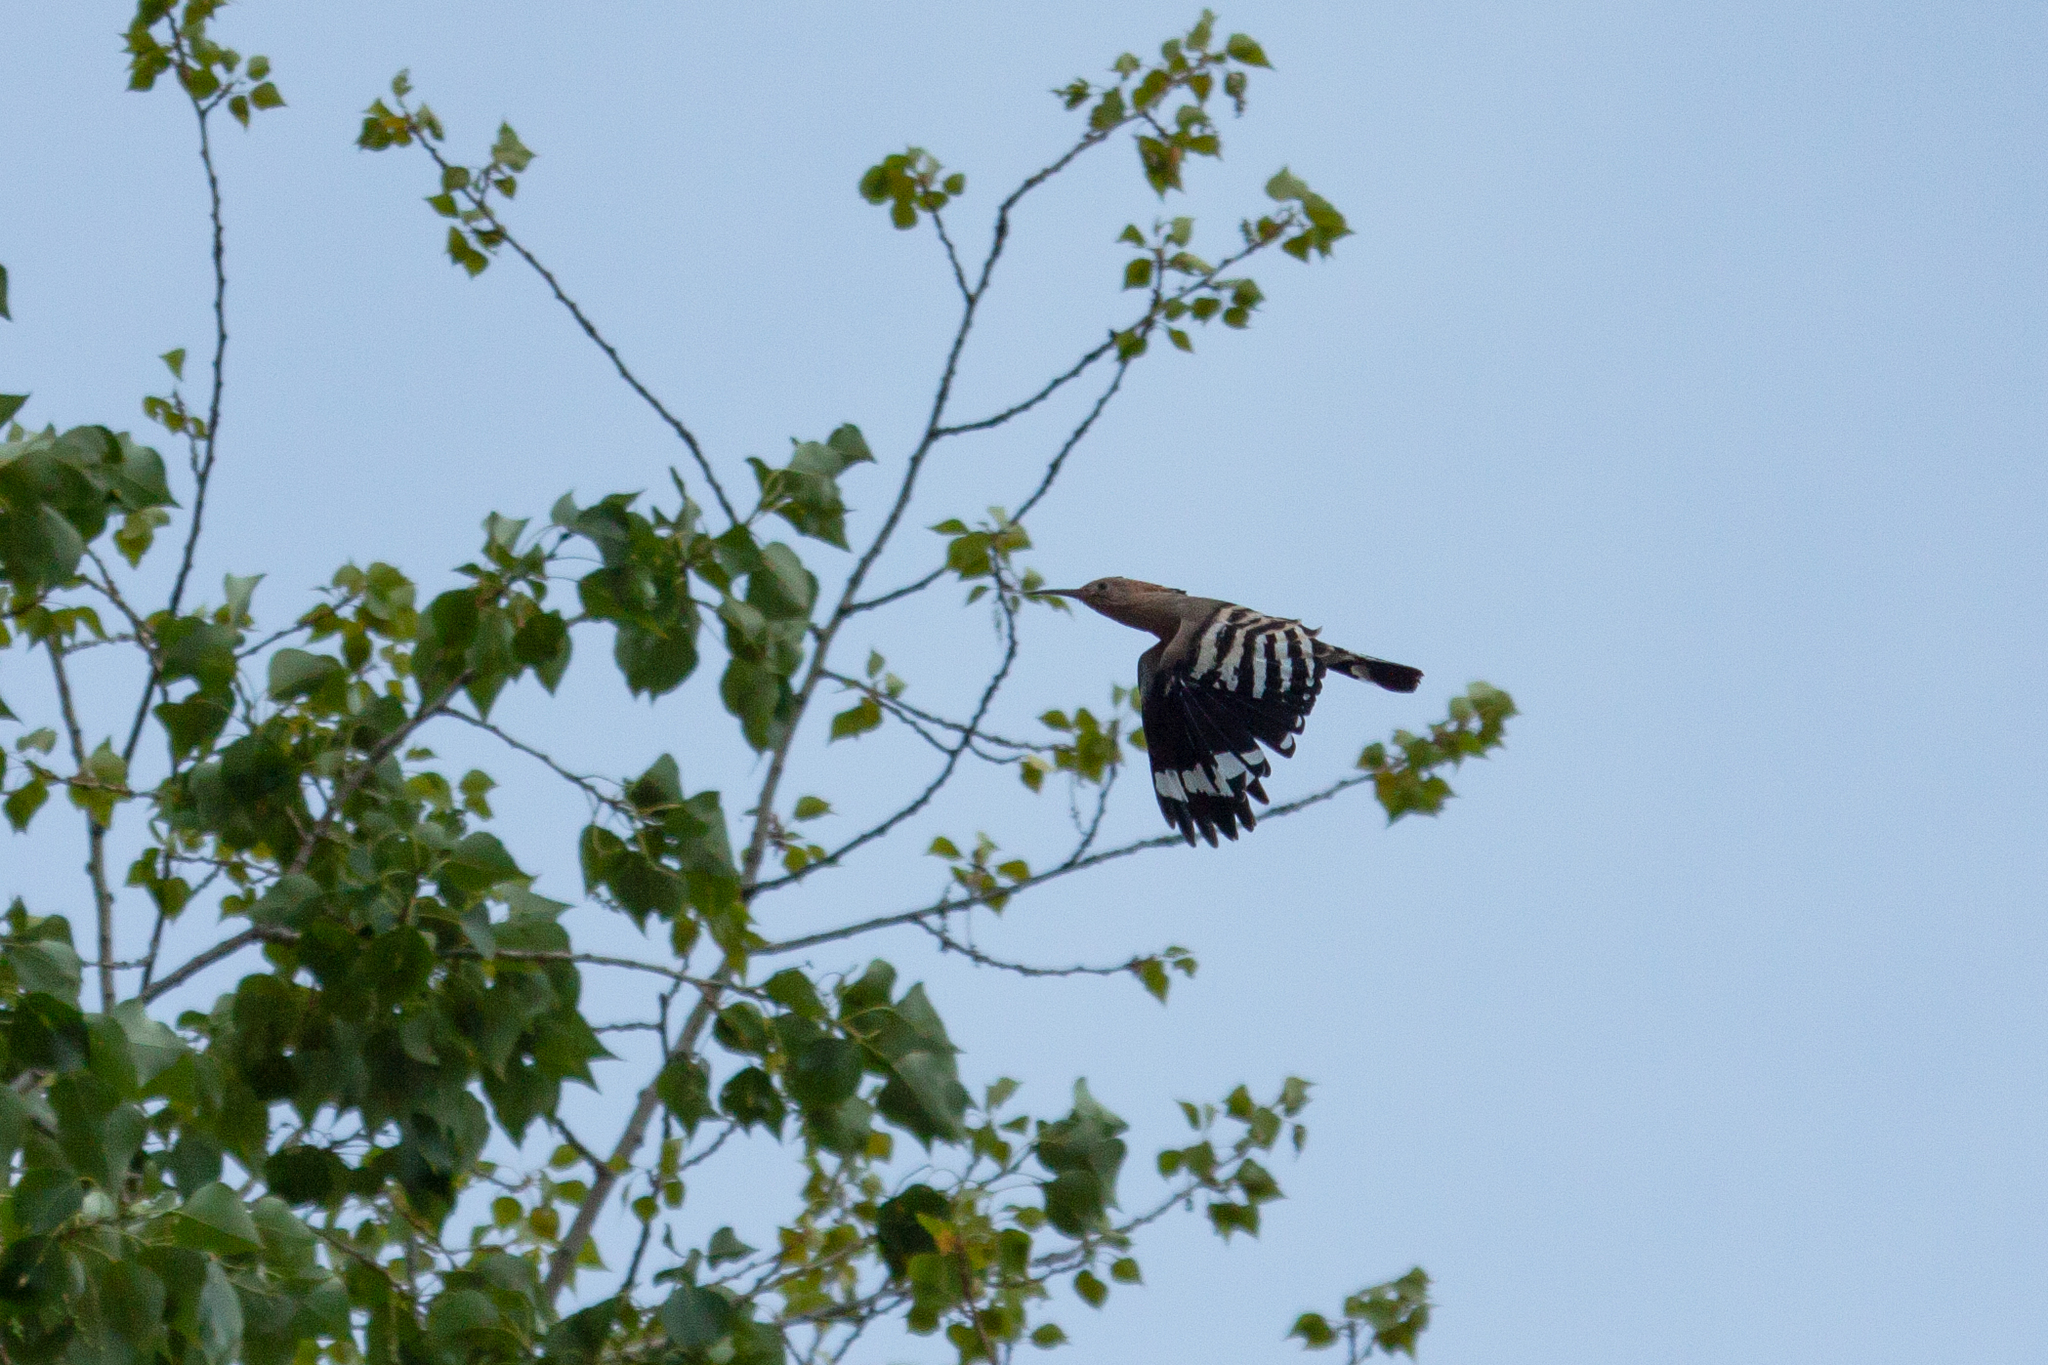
900,1230
685,1088
214,1219
3,297
465,255
696,1318
297,673
791,989
509,152
220,1315
1047,1335
43,1198
724,1246
750,1098
47,965
1093,1292
306,1175
858,719
823,1074
1314,1330
1243,49
10,403
24,801
1227,1218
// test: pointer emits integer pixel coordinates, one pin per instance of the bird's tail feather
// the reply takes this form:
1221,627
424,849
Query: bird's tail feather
1392,676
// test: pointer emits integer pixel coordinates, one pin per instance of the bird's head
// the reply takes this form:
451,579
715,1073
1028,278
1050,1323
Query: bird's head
1148,606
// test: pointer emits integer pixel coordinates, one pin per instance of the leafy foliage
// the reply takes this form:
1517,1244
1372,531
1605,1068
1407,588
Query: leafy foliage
1405,772
1387,1317
298,1171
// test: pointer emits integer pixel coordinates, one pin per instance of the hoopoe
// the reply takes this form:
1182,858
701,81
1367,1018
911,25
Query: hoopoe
1222,680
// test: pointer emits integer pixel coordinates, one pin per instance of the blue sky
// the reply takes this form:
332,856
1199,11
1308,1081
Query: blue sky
1684,377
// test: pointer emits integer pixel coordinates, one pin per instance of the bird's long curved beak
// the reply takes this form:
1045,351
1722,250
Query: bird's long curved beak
1055,592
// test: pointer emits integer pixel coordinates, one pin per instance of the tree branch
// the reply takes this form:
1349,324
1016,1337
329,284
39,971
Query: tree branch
904,708
952,257
675,424
95,832
1052,386
907,590
1052,470
948,944
945,774
948,906
202,465
227,947
563,1263
586,785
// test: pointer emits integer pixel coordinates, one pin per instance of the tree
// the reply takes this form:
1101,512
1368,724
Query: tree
343,1147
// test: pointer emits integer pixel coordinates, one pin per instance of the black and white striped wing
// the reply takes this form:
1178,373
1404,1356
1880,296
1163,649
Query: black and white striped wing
1250,679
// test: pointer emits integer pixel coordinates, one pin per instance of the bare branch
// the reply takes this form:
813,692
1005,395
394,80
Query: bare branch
564,1262
948,944
946,770
204,453
588,786
227,947
675,424
1052,470
907,590
910,713
949,905
590,330
952,257
267,641
105,587
1053,385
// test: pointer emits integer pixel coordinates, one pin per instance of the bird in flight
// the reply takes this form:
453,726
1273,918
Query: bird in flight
1222,680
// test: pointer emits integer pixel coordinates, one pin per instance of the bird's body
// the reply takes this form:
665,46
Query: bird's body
1223,680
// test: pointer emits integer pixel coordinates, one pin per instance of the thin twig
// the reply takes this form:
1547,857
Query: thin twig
675,423
267,641
699,1158
952,257
907,590
946,770
1052,386
586,785
947,943
948,906
104,585
202,472
911,713
1052,470
639,1251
